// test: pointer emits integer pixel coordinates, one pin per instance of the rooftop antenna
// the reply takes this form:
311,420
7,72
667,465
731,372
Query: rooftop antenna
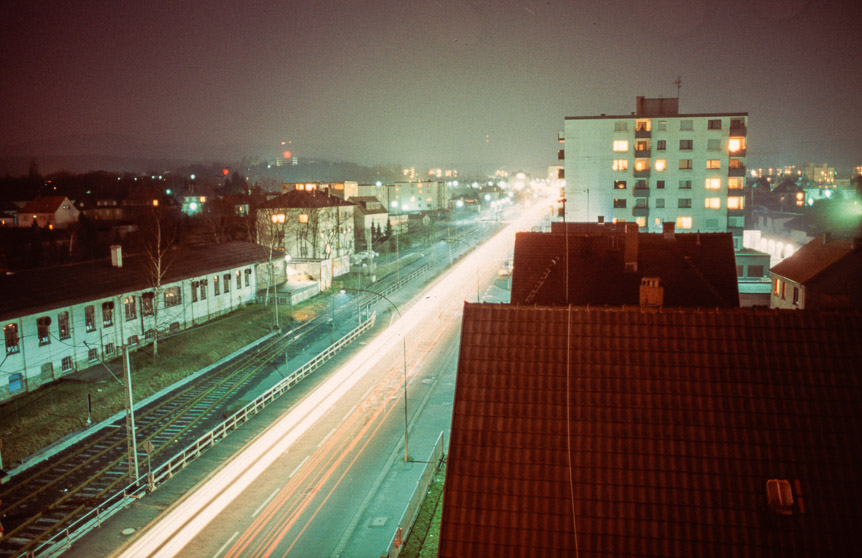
678,83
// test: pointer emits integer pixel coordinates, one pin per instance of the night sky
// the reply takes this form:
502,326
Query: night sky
423,83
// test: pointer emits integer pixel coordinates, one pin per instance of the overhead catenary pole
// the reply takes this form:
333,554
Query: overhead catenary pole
132,445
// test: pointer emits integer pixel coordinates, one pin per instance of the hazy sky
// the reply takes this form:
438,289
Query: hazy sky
423,83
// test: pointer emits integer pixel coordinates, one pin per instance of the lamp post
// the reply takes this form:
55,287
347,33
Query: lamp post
403,359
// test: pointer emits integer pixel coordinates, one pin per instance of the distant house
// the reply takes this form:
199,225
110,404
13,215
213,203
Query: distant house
630,432
610,264
8,214
58,320
826,273
370,214
49,212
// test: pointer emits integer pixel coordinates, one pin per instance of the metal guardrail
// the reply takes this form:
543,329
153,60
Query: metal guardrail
402,529
63,540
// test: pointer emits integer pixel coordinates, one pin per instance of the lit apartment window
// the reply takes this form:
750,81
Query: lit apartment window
642,126
620,126
619,203
713,125
735,202
713,184
660,145
735,144
216,285
43,326
685,184
713,144
172,297
684,203
734,183
777,286
713,164
129,308
90,318
685,164
621,146
659,203
660,164
641,145
686,125
63,325
662,125
683,222
10,332
686,144
712,203
641,221
641,165
620,164
619,184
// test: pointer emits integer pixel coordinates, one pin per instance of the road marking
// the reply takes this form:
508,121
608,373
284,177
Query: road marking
348,413
326,437
225,545
300,466
265,502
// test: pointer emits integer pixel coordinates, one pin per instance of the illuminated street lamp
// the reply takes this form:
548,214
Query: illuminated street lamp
403,355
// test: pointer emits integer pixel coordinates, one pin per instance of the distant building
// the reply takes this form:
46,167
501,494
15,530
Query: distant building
409,197
824,274
615,264
657,166
48,212
629,432
55,326
752,275
370,214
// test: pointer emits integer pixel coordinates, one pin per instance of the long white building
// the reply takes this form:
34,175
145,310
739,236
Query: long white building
60,319
656,165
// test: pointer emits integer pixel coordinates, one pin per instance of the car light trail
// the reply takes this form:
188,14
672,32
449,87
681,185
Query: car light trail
184,520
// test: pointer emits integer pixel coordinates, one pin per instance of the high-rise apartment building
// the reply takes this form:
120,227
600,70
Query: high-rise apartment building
656,165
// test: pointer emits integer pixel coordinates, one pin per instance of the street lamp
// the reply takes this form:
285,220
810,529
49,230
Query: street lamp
403,358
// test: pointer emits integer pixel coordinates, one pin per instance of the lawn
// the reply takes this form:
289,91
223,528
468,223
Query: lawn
425,534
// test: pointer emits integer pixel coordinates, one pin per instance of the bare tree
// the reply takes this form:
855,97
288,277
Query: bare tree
159,237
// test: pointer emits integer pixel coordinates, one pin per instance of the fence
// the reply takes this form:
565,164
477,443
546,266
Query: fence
402,529
61,541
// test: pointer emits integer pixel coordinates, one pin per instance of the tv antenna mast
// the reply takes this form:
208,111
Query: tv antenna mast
678,83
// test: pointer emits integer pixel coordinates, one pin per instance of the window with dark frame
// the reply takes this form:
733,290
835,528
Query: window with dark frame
43,327
227,282
619,203
10,333
686,144
108,313
130,308
619,184
147,304
173,296
90,317
195,286
63,325
216,290
684,203
713,124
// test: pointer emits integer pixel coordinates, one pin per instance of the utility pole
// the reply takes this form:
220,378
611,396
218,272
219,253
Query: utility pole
130,418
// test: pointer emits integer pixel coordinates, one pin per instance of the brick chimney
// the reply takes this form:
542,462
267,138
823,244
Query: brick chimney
116,255
631,247
668,230
651,292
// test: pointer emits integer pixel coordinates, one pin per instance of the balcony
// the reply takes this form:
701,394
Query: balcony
641,192
738,130
739,171
640,211
643,134
645,173
738,153
642,153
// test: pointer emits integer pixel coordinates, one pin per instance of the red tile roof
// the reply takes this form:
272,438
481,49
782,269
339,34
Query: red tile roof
44,204
695,269
812,259
658,429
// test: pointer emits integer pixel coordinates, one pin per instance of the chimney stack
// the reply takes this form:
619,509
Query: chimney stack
631,247
651,292
667,230
116,255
